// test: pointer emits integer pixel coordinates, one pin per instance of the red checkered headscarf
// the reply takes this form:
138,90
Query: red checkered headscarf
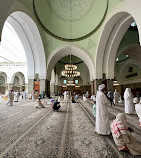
119,125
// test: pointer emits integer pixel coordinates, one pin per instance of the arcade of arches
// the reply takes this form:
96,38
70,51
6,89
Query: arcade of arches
37,40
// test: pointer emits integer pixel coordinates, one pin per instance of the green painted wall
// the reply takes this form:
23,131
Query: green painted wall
50,43
127,73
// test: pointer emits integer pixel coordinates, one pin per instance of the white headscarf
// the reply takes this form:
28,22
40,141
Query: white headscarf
135,100
127,93
101,87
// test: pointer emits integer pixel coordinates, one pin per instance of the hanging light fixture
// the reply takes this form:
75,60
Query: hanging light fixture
70,70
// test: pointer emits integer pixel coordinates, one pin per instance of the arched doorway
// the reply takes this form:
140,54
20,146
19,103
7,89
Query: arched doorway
30,38
3,82
116,31
61,53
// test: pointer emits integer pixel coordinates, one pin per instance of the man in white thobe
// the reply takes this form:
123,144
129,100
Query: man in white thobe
11,97
17,95
84,98
138,111
129,107
65,96
102,125
116,97
87,94
24,94
68,96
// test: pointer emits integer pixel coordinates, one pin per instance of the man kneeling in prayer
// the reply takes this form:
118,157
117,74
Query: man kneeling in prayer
55,105
122,135
40,104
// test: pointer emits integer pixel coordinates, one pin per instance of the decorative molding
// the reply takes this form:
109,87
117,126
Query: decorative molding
70,39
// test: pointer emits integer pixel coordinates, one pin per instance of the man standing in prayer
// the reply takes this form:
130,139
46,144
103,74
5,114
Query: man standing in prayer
102,125
87,94
65,96
11,97
68,96
129,107
116,97
138,110
110,96
122,135
24,94
17,95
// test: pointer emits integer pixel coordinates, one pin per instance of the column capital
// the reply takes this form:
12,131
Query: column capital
98,76
110,76
42,76
30,76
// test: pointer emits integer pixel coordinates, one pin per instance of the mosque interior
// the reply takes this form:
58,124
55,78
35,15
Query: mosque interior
48,47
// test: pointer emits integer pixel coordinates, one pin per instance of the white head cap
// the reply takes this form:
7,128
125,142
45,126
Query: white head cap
101,87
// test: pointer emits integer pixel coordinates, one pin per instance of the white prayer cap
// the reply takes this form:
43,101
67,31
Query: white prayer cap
101,87
135,100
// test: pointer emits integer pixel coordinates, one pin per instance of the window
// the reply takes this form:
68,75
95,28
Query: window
65,81
76,81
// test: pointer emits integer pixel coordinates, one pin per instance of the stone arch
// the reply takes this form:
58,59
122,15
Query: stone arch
124,68
113,31
67,50
3,74
19,75
30,37
4,10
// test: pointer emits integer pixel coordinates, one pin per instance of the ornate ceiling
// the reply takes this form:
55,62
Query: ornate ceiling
70,10
70,20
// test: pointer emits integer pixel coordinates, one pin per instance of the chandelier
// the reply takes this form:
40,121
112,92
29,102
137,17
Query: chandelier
70,70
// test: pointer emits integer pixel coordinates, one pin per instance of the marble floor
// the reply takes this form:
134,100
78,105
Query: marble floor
30,132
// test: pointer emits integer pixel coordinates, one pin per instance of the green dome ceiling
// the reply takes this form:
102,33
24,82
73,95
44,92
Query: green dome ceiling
70,10
70,20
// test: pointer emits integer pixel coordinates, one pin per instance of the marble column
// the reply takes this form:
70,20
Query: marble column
26,88
42,85
30,85
48,88
85,88
52,83
56,84
96,85
110,85
8,87
92,88
52,89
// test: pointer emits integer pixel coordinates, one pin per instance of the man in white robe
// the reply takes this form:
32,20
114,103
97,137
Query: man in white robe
84,98
65,96
138,111
68,96
40,104
87,94
24,94
102,125
116,97
129,107
11,97
17,95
